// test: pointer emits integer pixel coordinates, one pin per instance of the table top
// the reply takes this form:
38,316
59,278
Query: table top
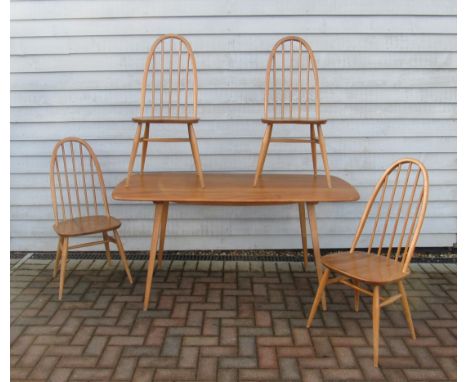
233,189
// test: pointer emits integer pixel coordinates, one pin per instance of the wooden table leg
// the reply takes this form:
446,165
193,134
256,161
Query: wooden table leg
302,220
158,212
316,246
162,236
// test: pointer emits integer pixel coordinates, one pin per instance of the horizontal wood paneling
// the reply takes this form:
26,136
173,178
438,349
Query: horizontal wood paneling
46,10
149,26
388,79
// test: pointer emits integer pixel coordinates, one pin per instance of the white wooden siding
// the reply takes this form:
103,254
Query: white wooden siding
388,77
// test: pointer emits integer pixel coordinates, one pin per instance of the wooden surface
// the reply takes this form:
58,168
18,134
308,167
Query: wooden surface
77,188
291,85
86,225
165,119
231,188
295,121
368,268
375,267
171,74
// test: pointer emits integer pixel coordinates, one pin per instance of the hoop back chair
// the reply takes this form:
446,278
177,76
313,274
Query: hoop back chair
395,212
292,96
170,78
80,203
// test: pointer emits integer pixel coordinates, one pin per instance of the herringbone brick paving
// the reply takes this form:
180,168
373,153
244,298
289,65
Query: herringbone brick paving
222,321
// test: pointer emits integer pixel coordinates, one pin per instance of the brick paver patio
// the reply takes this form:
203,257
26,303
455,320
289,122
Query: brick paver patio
222,321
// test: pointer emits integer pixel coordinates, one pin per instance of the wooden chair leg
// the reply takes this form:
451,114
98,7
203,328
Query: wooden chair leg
316,246
376,322
63,266
323,150
318,297
123,257
406,309
105,237
302,220
57,256
144,147
356,297
196,154
263,153
313,143
152,255
131,163
162,235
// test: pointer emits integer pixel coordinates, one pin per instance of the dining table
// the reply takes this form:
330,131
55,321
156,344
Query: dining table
231,189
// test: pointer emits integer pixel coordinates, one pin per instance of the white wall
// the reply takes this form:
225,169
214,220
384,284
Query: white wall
388,77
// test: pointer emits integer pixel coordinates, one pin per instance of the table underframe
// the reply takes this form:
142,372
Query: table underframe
161,212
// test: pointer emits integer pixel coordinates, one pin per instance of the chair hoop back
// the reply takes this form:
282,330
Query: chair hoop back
76,181
401,197
171,76
290,76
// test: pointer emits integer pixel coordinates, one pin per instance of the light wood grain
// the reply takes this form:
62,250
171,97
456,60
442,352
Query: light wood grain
63,266
230,189
78,192
233,189
318,297
406,309
57,256
86,225
263,152
398,186
177,76
316,247
376,323
302,221
158,213
105,238
291,82
162,237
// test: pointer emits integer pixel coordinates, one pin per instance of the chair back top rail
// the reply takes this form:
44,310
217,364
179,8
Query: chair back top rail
170,75
394,214
76,181
291,76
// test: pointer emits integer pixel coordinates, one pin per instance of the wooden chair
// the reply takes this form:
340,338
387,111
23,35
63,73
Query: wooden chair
402,194
80,203
288,98
172,74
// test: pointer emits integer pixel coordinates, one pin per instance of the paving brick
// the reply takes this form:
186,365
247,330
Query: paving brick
125,368
60,374
175,374
258,374
425,374
289,369
171,346
188,357
228,375
449,365
43,368
31,356
343,374
237,362
143,374
207,369
222,322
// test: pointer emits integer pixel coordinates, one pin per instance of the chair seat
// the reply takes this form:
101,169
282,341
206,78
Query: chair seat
294,121
165,119
368,268
86,225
